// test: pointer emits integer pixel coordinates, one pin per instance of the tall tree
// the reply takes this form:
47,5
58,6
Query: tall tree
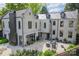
71,6
44,10
36,7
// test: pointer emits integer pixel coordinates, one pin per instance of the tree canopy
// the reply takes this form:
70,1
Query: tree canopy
36,7
71,6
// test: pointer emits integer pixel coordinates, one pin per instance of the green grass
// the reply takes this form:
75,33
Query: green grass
49,53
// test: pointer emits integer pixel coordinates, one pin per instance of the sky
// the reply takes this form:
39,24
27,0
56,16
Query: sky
55,7
51,7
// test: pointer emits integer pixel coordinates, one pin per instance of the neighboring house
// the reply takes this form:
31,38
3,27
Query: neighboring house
23,26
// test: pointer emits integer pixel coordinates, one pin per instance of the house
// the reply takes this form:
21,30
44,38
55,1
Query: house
23,26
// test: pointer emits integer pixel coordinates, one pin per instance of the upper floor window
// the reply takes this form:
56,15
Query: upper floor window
53,32
70,34
70,23
61,33
36,25
61,23
44,25
29,13
19,24
54,22
29,24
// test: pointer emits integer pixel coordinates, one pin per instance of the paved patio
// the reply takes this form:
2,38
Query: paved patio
39,45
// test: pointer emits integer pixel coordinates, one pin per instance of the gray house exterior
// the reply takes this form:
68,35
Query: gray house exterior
23,26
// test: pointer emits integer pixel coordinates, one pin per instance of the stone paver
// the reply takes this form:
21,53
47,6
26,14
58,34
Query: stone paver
39,45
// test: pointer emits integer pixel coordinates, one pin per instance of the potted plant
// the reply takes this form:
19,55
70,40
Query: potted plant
65,40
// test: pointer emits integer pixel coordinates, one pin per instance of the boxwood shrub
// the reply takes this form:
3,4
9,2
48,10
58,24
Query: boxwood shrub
3,40
13,43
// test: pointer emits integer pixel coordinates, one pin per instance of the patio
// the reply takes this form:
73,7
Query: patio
39,45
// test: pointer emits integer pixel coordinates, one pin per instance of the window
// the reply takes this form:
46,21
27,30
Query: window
4,35
29,24
54,32
70,34
70,23
61,23
44,25
29,13
19,25
61,33
54,22
36,25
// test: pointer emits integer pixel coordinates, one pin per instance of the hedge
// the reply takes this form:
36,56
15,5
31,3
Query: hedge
3,40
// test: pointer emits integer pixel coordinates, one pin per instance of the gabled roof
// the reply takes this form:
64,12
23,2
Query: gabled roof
18,13
57,15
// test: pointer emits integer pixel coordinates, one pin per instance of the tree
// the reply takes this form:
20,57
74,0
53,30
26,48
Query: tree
44,10
71,6
36,7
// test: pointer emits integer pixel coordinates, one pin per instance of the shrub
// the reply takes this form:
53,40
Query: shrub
13,43
40,53
49,53
3,40
71,46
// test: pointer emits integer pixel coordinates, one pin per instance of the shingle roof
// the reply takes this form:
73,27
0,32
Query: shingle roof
69,14
18,13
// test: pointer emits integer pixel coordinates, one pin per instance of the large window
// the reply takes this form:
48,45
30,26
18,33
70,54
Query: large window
61,33
19,24
44,25
61,23
36,25
70,34
29,24
70,23
53,32
54,22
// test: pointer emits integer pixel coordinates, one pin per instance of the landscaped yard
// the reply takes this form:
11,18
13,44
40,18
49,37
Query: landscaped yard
38,49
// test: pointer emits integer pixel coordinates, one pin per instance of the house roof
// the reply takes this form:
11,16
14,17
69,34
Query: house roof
57,15
42,16
68,14
18,13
